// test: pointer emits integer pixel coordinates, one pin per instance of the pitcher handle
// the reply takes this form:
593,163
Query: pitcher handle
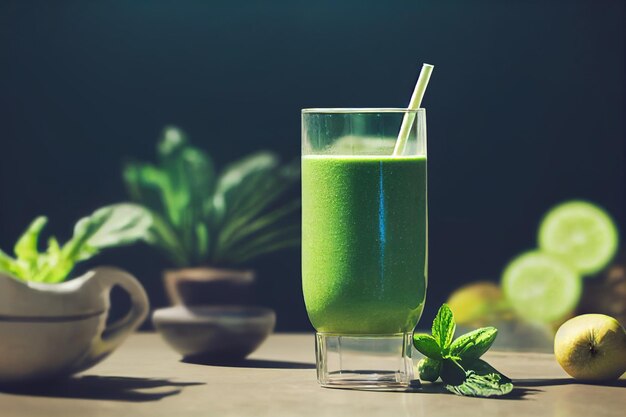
113,334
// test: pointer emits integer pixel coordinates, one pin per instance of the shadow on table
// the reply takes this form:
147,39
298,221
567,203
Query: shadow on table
93,387
250,363
565,381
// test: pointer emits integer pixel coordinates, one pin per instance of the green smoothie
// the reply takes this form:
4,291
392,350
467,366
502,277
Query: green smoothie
364,242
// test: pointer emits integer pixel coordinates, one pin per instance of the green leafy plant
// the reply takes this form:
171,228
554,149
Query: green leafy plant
203,218
110,226
458,362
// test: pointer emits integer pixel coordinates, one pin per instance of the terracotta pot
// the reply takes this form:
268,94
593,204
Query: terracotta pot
209,286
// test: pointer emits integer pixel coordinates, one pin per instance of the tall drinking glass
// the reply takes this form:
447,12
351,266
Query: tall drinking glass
364,242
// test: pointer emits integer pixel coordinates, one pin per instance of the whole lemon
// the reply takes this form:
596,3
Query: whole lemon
591,347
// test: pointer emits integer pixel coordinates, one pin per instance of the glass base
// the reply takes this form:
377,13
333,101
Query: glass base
372,362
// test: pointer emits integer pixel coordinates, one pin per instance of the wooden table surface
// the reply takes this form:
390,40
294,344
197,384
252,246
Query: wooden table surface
146,378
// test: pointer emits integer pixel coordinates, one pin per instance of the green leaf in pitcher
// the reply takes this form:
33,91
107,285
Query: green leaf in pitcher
110,226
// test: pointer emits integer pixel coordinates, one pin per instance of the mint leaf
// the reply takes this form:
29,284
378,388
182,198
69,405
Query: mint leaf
452,373
429,369
481,385
427,345
444,327
474,344
482,368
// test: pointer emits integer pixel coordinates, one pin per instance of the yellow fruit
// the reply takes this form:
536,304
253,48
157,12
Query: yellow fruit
591,347
477,302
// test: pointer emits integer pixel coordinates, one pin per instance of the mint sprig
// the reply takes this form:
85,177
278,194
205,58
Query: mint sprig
458,361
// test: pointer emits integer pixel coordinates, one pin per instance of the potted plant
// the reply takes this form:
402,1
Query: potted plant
208,225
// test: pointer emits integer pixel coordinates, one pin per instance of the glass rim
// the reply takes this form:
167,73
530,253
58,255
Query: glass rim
356,110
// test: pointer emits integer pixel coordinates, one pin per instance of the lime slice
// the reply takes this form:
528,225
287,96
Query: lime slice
581,233
540,287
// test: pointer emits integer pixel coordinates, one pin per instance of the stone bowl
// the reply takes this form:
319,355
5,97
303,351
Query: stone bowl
214,334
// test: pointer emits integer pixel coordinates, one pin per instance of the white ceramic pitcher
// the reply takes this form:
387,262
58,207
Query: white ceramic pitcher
51,330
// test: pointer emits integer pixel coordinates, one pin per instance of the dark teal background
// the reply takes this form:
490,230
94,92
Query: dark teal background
525,109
